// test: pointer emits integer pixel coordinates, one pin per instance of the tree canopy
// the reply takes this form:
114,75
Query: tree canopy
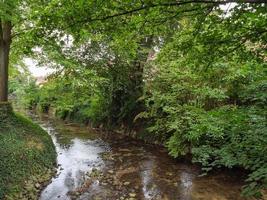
188,74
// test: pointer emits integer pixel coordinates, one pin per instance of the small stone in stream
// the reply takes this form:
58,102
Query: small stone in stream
115,183
37,185
110,171
118,187
169,174
126,183
132,195
58,196
61,168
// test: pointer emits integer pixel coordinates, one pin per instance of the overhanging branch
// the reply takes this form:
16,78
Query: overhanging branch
1,31
169,4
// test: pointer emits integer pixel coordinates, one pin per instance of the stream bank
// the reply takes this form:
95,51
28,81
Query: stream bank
27,156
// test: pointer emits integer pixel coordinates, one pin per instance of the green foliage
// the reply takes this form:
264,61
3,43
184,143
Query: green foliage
209,99
93,96
23,90
232,136
204,94
73,98
28,95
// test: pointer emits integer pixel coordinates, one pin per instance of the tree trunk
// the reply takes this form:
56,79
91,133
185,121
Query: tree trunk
5,42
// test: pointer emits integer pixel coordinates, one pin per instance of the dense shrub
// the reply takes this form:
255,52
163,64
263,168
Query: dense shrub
210,105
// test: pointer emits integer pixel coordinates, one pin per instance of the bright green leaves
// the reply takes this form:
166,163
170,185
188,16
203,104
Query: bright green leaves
204,93
8,9
207,94
233,137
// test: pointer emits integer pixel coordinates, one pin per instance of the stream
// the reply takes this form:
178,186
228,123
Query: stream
101,166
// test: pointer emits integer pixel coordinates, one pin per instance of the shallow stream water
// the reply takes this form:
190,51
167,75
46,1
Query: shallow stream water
99,166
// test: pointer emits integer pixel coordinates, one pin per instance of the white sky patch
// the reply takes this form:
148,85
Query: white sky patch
35,70
227,8
68,40
32,64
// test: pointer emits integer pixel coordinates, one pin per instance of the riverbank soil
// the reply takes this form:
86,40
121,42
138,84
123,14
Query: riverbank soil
27,156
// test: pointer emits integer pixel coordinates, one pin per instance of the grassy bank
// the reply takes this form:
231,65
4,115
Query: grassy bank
27,156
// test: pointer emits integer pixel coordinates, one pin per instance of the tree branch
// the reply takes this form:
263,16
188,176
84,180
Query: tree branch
6,30
1,30
170,4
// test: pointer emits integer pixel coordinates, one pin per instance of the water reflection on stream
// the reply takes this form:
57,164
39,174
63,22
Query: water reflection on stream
98,166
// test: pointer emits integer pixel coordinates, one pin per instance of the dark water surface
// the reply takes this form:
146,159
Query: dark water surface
98,166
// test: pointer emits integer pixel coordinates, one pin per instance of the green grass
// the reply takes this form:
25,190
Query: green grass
27,157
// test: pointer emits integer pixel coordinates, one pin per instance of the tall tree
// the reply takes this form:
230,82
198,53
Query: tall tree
15,22
5,42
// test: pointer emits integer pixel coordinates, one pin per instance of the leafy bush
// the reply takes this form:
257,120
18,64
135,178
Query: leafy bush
232,136
210,104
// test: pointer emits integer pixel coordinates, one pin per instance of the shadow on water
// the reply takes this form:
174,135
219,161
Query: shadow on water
97,166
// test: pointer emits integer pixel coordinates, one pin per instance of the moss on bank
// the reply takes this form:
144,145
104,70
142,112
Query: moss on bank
27,156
